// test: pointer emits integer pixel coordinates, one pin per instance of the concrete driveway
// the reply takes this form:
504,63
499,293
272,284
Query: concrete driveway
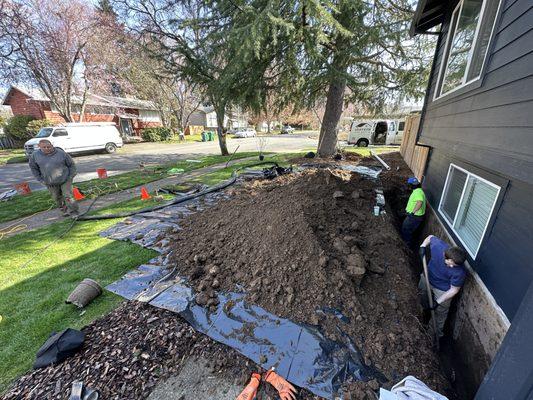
131,155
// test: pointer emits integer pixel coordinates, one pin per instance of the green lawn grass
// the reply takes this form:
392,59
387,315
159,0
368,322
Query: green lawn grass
188,139
365,151
12,156
32,297
212,178
21,206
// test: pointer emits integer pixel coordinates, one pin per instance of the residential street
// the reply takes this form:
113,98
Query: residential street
131,155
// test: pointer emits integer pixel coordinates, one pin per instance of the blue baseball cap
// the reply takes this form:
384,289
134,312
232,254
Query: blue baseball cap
412,181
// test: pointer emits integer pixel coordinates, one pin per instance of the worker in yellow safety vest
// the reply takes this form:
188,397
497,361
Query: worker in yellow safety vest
415,209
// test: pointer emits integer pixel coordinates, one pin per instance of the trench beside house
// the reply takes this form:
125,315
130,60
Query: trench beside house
473,149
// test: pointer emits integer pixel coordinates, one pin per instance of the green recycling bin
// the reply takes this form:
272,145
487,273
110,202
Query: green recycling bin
211,136
204,136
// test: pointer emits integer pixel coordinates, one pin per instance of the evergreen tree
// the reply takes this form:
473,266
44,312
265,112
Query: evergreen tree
306,50
297,52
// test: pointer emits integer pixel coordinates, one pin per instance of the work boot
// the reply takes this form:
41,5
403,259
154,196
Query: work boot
64,211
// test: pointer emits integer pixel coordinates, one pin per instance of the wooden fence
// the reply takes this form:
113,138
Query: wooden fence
415,156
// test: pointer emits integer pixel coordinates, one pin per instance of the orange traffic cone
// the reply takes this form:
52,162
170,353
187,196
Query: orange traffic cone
102,173
144,194
23,188
77,194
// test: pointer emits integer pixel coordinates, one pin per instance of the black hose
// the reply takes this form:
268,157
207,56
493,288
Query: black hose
179,200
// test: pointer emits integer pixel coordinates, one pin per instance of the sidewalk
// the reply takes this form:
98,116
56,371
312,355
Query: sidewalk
49,217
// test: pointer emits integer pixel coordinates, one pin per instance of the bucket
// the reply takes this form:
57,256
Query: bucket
84,293
23,188
102,173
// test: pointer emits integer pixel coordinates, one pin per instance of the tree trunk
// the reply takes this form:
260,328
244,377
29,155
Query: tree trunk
83,104
220,112
268,126
328,131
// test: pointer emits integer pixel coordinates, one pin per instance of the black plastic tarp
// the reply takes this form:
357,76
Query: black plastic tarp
300,353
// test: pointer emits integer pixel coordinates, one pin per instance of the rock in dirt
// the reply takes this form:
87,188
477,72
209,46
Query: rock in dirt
202,299
199,259
341,246
323,260
376,266
338,194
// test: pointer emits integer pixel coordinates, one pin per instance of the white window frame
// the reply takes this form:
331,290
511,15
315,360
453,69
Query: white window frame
149,115
451,224
449,40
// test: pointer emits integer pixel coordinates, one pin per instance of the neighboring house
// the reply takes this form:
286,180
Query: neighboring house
130,115
205,116
478,123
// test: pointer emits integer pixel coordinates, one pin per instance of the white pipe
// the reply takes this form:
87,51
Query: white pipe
380,160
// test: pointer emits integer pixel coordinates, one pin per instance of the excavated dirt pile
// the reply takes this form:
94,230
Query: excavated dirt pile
305,247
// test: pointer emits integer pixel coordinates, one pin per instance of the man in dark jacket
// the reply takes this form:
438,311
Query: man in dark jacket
56,169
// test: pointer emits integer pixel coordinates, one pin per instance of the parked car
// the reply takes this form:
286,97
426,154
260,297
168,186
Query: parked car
245,132
79,137
364,133
287,129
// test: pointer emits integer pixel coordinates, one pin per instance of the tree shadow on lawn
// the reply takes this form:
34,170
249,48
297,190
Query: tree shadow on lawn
35,307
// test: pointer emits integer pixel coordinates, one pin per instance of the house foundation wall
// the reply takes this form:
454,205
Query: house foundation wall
477,323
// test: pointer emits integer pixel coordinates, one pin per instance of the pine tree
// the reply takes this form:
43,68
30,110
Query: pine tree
307,50
241,52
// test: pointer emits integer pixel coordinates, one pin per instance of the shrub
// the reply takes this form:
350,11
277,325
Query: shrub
17,127
35,126
158,134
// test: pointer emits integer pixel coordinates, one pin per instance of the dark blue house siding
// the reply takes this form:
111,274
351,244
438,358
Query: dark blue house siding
487,127
504,261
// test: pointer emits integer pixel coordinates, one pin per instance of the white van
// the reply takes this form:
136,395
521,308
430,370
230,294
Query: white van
78,137
364,133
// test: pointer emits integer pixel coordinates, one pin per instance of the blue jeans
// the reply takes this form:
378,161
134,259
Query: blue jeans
409,226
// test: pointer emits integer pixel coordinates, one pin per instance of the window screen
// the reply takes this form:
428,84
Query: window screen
478,200
454,189
467,204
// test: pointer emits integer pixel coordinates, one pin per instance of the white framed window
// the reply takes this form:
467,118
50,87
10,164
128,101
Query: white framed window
467,44
149,116
467,203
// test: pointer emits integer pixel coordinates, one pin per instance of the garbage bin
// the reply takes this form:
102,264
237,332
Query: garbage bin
211,136
204,136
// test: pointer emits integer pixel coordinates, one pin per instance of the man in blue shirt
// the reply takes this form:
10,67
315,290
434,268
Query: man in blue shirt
446,275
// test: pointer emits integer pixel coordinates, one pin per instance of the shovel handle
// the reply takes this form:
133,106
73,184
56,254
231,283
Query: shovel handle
430,299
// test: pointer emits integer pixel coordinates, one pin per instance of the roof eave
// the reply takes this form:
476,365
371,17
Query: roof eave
427,15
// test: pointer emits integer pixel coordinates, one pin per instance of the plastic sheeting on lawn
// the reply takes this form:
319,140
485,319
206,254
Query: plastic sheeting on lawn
300,353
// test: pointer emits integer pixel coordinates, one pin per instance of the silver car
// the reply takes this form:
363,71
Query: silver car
245,133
